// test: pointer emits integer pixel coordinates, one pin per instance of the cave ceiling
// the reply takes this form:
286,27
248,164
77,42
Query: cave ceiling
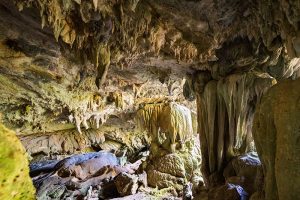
62,58
121,32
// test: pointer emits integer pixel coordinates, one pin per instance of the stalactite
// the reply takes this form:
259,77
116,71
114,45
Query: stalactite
225,111
147,118
170,125
102,61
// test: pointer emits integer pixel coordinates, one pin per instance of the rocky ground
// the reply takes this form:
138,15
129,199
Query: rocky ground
98,175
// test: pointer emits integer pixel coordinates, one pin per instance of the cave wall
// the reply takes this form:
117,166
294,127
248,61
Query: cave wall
49,93
276,135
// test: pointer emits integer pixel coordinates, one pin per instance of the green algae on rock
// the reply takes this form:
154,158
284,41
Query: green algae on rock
15,182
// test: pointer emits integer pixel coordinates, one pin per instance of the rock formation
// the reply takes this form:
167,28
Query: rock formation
276,134
14,168
73,177
139,77
174,157
225,112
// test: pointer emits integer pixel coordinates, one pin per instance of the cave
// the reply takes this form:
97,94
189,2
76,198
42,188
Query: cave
149,99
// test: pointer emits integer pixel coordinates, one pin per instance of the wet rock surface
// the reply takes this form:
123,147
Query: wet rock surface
245,171
225,114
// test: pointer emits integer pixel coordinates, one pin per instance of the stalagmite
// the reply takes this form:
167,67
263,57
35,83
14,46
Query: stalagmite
102,62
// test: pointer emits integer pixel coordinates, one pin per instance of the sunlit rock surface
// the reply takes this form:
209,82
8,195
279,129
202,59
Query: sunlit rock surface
15,182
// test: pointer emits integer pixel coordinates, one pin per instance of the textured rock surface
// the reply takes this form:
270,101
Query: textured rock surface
223,38
225,112
111,31
174,152
80,175
276,134
172,170
15,182
49,96
126,184
228,192
69,69
170,125
245,171
117,136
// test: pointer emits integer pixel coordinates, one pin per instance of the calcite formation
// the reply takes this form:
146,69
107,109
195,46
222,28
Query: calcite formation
276,135
174,158
67,142
225,112
169,124
74,74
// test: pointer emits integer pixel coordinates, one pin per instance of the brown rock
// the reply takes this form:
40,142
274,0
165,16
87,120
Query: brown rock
276,132
244,171
228,192
127,184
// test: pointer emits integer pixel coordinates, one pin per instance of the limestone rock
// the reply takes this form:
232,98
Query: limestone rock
15,182
245,170
173,170
276,134
77,176
174,153
53,188
75,73
225,113
85,168
169,124
228,192
188,191
126,184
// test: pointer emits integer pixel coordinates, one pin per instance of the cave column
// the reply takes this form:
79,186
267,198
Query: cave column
225,114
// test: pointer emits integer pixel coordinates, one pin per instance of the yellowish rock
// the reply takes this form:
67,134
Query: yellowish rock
276,133
15,182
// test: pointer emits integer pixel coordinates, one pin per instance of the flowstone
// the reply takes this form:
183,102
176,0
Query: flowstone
174,152
174,170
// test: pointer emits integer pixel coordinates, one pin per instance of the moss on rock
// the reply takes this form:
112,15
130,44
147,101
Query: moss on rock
15,182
